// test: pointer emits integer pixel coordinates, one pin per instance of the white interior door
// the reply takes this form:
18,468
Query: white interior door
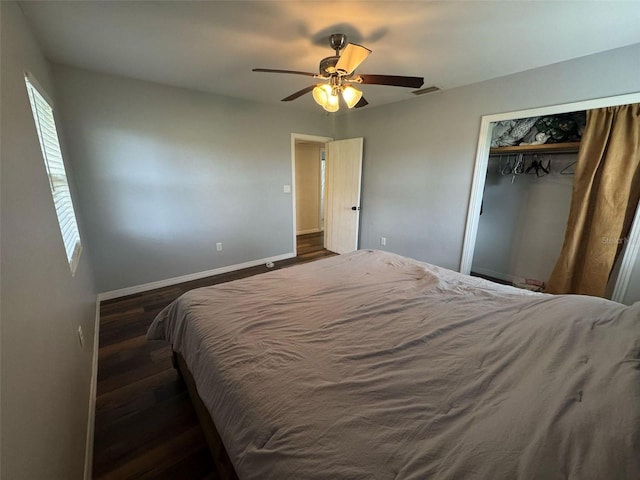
343,175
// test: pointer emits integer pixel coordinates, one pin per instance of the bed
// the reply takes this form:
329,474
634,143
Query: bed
374,366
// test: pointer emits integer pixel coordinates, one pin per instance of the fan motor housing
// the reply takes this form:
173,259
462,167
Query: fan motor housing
328,65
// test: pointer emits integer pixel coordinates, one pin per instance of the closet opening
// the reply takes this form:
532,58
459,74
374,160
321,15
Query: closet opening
520,199
527,194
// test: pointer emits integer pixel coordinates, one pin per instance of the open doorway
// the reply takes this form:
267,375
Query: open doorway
335,218
308,168
309,195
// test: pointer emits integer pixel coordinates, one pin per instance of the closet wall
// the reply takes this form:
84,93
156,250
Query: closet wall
523,222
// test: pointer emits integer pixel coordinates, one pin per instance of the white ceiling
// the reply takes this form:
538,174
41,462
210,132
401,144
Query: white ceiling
212,46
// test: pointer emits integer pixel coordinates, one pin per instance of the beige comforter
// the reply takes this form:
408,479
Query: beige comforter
375,366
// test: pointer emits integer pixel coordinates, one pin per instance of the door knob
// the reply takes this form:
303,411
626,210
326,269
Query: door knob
355,208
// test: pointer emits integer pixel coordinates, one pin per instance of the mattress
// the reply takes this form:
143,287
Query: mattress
374,366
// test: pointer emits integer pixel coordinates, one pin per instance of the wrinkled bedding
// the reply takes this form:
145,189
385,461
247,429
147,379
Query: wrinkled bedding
374,366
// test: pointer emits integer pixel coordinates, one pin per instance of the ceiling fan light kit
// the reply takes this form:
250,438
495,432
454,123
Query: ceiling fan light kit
325,97
351,95
338,72
328,95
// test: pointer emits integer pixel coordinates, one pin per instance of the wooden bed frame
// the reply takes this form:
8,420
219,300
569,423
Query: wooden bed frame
221,459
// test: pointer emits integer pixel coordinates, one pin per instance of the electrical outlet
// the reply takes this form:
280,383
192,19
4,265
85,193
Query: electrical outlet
383,241
219,246
286,189
80,336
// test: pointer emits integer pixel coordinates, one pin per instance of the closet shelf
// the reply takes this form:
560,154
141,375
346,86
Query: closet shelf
571,147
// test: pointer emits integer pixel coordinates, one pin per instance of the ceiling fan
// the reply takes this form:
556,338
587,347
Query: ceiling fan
337,73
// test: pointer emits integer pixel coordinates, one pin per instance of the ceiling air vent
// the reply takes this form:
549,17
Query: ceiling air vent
422,91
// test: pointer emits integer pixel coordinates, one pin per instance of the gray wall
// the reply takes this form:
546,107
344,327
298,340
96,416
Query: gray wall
523,222
420,154
45,373
165,173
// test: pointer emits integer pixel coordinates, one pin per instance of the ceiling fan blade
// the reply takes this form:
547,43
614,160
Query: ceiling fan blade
392,80
299,93
352,56
361,103
294,72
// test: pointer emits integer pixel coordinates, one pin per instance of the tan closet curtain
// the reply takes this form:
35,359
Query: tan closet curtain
606,191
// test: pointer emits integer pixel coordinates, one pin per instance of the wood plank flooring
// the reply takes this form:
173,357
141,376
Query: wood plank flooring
310,245
145,426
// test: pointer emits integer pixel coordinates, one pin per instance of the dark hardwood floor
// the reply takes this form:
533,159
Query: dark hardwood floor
310,245
145,426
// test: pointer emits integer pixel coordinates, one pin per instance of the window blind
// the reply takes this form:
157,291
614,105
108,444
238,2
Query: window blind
54,163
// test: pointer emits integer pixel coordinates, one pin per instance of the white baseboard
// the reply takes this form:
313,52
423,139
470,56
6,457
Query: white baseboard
123,292
88,454
311,230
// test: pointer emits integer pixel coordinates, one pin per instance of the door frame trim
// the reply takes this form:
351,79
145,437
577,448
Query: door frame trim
307,138
480,170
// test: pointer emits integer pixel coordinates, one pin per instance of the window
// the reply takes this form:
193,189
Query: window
54,163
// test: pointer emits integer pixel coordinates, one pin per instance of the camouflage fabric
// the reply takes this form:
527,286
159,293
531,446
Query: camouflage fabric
566,127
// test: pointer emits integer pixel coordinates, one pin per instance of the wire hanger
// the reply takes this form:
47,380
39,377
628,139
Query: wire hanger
538,167
505,168
518,167
566,171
